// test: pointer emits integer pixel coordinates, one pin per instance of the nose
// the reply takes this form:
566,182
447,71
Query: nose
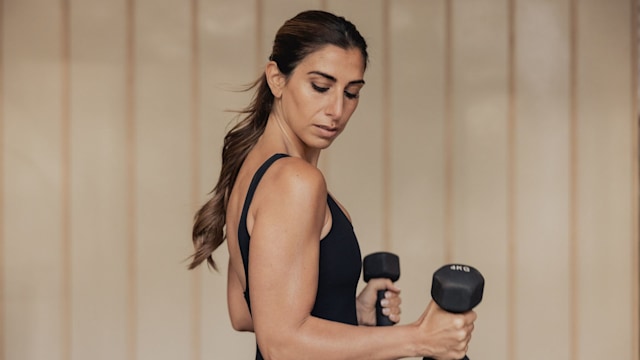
335,106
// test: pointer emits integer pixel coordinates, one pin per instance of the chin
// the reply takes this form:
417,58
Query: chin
321,145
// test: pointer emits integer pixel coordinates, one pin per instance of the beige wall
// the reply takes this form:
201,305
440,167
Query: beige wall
497,133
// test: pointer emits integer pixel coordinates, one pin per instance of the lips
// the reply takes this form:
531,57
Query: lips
327,131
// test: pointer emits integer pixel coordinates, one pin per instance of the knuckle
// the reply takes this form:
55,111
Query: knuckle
458,322
461,336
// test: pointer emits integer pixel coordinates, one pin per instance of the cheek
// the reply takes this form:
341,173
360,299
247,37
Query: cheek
350,108
347,116
304,103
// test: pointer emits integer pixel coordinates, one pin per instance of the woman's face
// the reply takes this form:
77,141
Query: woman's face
321,94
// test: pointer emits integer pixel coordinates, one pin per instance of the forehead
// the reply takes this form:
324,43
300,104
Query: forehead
343,64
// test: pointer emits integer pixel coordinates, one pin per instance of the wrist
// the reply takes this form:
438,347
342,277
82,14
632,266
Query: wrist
414,347
420,342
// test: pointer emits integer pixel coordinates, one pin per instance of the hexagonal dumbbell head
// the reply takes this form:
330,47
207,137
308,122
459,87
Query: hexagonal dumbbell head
381,265
457,288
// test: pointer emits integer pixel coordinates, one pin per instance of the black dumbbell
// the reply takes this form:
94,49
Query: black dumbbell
457,289
381,265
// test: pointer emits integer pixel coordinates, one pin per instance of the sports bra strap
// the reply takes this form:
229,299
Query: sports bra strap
243,231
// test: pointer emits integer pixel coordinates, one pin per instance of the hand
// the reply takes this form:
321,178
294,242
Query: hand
445,336
366,302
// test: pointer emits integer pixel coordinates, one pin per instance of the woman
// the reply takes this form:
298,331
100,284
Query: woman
294,261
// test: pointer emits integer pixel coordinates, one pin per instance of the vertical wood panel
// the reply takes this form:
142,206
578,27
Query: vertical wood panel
33,257
417,120
448,132
480,118
65,186
3,279
163,178
512,187
574,305
542,180
634,125
604,147
195,94
131,331
227,60
99,180
387,191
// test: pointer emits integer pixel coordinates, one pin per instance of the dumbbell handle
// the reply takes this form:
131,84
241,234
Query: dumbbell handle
381,319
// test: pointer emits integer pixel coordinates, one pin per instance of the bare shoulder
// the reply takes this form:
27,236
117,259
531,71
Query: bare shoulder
292,199
293,176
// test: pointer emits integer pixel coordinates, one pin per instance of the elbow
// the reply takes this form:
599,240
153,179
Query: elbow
277,347
242,327
273,352
241,320
241,324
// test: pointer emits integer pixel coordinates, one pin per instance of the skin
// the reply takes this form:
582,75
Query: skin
288,218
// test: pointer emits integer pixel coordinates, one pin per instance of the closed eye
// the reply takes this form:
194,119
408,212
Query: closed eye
351,95
319,89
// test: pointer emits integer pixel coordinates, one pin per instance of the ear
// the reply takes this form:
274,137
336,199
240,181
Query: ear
275,79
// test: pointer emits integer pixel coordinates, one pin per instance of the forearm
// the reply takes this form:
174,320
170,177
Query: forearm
322,339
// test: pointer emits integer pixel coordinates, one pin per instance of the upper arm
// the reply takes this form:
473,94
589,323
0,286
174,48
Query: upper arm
284,249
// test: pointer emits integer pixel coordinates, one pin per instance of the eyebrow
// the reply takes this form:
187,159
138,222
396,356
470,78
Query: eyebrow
332,78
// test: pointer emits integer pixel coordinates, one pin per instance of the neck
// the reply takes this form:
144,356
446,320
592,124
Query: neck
278,138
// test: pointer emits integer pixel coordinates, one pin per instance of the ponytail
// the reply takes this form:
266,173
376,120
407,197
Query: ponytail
209,222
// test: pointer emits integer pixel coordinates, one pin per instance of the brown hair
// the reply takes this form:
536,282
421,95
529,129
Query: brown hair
298,37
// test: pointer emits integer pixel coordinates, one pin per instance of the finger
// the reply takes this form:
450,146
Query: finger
470,316
391,310
378,284
393,297
395,317
391,286
384,284
391,303
391,300
469,332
